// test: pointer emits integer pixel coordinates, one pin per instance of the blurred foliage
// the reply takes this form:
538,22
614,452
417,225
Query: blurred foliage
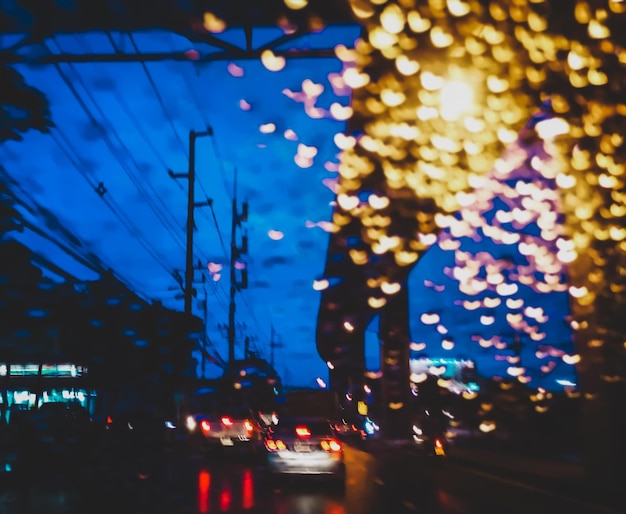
22,107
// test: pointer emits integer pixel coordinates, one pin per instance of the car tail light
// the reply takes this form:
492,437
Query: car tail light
205,426
331,445
109,420
227,421
439,449
248,425
275,445
303,432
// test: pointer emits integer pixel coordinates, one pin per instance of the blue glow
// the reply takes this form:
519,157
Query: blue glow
123,125
37,313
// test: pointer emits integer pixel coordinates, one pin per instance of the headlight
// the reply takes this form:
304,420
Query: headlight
191,423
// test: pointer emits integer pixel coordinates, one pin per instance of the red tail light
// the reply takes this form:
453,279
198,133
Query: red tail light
275,445
303,432
439,448
227,421
205,426
248,425
331,445
109,420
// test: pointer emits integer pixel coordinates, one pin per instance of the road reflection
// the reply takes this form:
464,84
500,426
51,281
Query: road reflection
226,491
204,490
177,482
226,485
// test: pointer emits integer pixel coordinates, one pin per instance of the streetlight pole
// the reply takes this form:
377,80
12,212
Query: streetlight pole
191,205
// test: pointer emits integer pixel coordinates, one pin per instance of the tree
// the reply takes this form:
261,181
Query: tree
22,107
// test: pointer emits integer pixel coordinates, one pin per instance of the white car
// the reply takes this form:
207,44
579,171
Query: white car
304,447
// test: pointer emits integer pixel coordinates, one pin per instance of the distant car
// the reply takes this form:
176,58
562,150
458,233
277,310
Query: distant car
302,446
356,428
429,436
228,427
140,426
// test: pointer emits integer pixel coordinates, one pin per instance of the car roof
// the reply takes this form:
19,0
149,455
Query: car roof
291,422
303,419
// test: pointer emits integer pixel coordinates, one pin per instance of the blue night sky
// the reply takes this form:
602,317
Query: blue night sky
125,124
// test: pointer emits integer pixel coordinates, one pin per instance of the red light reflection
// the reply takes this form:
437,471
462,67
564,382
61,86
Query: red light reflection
204,488
226,498
247,490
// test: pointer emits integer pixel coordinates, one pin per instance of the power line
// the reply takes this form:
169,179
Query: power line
142,186
107,200
133,230
98,265
161,101
198,104
81,259
149,141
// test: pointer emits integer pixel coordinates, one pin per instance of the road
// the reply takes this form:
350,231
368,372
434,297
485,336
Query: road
174,481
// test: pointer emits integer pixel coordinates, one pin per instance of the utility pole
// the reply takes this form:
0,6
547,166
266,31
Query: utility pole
205,306
273,345
191,205
235,253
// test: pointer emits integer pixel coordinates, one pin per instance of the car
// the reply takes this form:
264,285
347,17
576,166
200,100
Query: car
142,426
356,428
428,435
302,446
228,427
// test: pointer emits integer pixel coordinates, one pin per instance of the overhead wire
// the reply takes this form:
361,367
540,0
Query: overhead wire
195,99
99,264
170,224
127,110
220,161
149,140
110,203
133,118
162,103
132,229
94,265
176,235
